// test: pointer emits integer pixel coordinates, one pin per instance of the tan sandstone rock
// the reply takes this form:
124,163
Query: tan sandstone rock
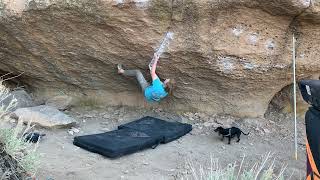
44,116
61,102
227,56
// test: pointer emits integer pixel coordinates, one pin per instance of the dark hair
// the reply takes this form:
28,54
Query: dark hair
170,86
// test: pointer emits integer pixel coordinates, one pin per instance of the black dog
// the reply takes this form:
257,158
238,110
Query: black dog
230,133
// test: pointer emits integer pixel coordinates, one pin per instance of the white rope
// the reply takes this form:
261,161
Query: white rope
294,97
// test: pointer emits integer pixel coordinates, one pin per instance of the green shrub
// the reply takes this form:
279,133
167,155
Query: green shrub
25,153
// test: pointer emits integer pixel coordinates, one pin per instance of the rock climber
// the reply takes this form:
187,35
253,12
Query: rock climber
157,90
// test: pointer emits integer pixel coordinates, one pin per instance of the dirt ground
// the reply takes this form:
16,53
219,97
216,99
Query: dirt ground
61,160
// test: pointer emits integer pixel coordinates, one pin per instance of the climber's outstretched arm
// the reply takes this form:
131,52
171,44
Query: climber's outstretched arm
154,67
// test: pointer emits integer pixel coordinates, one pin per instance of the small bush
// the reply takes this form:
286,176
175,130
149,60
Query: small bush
12,140
259,171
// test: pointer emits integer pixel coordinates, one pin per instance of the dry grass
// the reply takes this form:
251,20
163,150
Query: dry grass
265,170
89,102
12,140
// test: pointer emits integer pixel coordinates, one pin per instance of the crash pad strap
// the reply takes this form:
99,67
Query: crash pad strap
314,175
156,145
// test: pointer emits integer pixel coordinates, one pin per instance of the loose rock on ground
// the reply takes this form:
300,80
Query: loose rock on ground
44,116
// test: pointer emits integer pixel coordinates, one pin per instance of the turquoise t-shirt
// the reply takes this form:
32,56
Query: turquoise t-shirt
155,92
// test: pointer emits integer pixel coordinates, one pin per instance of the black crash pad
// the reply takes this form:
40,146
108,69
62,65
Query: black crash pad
116,143
132,137
156,127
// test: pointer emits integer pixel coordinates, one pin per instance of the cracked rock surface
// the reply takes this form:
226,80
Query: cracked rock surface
228,56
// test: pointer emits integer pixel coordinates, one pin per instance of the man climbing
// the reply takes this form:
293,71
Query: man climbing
157,90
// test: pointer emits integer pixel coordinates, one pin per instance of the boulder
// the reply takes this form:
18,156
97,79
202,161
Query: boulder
22,97
62,102
227,56
44,116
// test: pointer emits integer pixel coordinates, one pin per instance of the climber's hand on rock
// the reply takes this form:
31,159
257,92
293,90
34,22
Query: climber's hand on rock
156,57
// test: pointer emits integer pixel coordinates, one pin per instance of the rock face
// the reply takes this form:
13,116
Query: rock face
44,116
228,56
22,97
62,102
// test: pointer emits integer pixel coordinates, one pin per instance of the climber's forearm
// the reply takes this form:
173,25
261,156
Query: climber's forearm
153,71
154,67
